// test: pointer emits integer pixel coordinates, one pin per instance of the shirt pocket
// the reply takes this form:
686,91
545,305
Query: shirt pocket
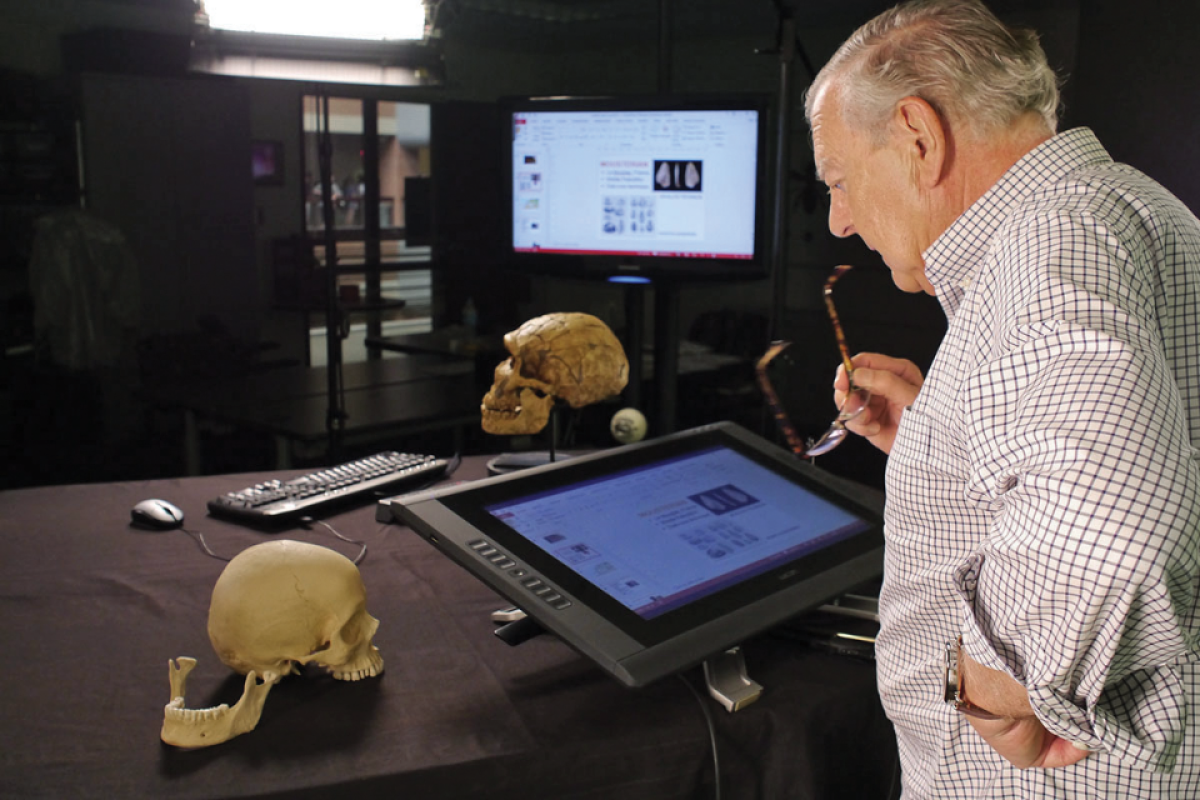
926,448
928,517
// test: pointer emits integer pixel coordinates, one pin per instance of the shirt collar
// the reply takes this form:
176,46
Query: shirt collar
952,260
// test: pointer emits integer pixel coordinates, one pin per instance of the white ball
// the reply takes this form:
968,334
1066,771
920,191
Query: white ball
628,425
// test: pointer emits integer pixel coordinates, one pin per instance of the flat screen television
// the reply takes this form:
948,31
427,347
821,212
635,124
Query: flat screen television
638,187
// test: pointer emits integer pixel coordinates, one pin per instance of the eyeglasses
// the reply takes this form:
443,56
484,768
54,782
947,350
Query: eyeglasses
856,400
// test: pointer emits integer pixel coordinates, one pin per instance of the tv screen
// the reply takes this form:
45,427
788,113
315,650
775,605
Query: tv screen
639,186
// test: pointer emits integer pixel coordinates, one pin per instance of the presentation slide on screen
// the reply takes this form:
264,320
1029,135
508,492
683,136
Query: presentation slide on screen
659,537
676,183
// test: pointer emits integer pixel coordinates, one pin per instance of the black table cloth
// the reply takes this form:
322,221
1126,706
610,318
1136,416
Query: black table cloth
92,609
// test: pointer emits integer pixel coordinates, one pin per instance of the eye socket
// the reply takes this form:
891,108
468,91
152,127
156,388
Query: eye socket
351,630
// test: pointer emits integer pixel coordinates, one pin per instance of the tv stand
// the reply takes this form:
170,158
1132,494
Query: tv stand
666,356
666,350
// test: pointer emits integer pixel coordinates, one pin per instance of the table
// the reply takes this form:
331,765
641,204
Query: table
91,610
393,396
452,340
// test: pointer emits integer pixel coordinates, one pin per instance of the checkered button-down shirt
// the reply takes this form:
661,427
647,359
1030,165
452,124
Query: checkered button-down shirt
1044,489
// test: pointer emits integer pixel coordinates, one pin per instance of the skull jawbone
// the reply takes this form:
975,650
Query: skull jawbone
530,415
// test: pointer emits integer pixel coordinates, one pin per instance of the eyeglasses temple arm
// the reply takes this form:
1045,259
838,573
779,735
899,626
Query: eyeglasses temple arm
764,383
833,317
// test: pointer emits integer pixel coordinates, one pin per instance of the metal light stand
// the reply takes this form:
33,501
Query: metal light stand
335,414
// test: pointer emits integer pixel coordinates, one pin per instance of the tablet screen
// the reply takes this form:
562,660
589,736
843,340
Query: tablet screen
664,534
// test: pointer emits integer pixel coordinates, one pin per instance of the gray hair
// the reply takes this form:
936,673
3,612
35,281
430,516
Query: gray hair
954,54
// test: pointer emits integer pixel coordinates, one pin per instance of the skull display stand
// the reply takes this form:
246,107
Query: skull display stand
511,462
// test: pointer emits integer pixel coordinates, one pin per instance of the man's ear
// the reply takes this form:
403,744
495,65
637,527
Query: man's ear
923,136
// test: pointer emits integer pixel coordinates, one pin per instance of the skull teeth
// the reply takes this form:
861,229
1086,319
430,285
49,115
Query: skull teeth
175,710
503,412
367,666
357,674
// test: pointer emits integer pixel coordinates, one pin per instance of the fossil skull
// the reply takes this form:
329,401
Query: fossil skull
571,357
277,606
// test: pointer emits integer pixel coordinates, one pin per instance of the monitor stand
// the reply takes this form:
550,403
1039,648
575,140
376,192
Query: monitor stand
724,673
514,626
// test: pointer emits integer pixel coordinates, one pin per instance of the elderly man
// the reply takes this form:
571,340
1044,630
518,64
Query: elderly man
1039,609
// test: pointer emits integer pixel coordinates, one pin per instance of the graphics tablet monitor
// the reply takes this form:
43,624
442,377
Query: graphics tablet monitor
651,557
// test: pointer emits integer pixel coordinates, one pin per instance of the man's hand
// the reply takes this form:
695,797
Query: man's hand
1025,743
1018,735
893,383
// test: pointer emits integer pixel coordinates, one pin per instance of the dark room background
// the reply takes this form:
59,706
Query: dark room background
174,179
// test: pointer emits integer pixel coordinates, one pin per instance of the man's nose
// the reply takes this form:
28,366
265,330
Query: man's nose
841,224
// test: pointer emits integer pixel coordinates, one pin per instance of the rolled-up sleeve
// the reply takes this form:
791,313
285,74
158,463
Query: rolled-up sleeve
1085,589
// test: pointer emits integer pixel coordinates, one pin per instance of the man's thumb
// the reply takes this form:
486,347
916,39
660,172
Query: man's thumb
863,378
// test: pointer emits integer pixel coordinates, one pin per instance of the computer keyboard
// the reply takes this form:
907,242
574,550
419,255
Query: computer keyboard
282,502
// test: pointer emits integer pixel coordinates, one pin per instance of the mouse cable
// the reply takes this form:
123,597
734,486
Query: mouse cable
307,521
200,541
712,734
199,537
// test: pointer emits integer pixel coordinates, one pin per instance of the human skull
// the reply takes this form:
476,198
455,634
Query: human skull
563,356
277,606
281,604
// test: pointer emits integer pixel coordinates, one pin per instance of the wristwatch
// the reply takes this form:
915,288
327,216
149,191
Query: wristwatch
956,692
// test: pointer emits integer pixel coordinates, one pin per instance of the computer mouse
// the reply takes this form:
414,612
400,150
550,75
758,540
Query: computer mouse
157,514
